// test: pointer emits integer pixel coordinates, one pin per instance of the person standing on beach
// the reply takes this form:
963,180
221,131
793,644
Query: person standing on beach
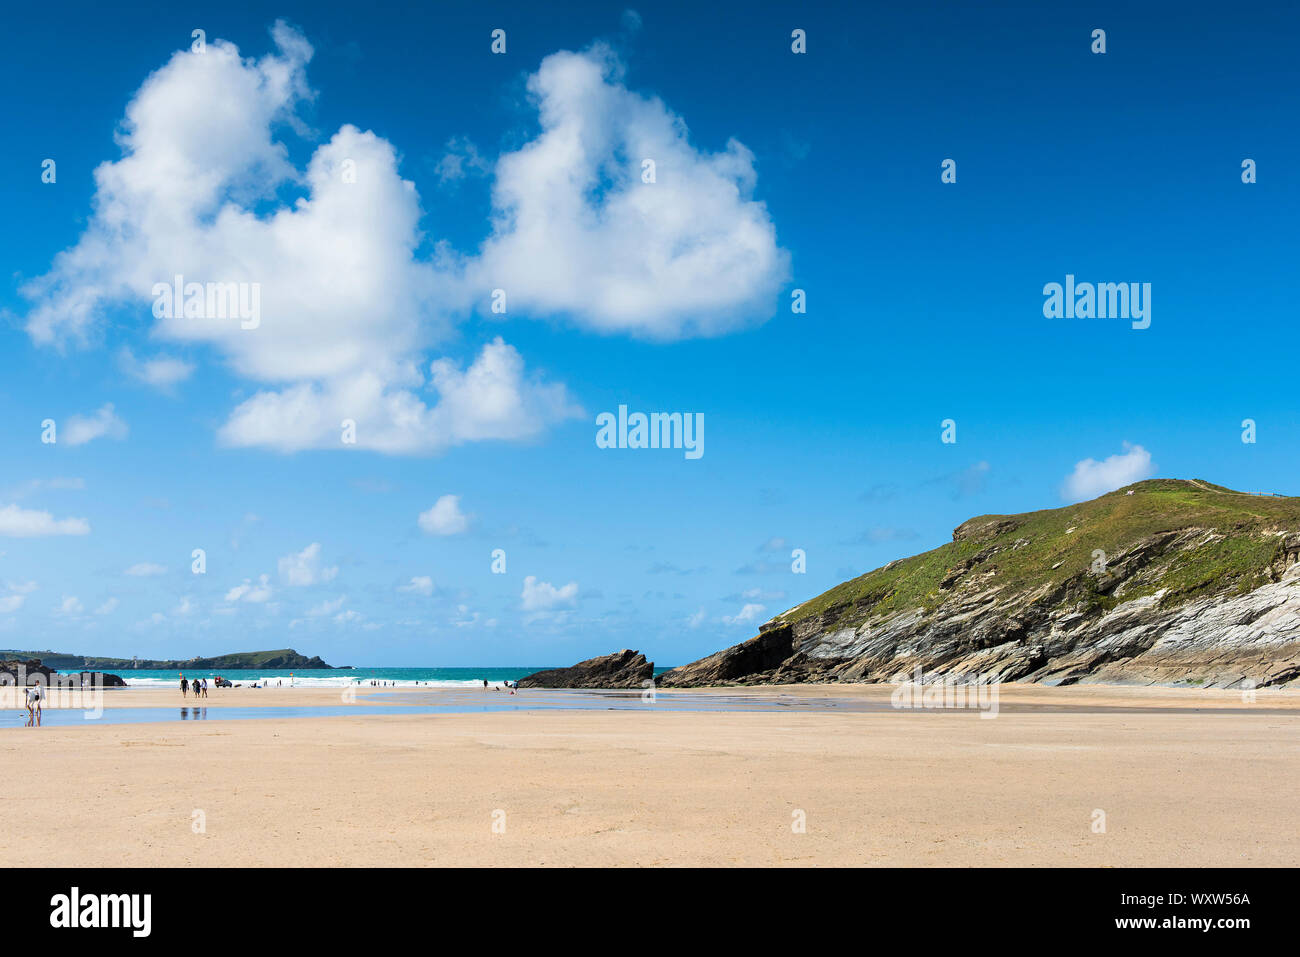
185,686
204,686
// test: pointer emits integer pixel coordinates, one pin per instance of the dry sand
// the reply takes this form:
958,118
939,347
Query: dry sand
662,787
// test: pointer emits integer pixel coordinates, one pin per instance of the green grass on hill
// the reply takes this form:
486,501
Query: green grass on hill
1049,548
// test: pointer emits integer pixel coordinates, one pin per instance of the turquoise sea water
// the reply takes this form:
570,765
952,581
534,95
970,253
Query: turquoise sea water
336,677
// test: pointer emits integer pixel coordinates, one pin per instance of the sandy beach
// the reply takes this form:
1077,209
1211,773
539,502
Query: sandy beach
661,787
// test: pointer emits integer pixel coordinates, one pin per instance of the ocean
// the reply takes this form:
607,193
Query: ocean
333,678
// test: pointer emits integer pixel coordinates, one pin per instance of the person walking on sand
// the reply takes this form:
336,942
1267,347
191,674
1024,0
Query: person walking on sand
35,705
185,686
205,687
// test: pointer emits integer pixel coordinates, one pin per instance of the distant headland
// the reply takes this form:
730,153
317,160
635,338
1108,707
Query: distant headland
279,659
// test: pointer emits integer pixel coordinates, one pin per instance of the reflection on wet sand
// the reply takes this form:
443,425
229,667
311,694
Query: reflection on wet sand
457,701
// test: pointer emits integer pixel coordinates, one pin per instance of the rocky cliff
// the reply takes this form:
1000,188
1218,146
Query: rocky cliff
1165,581
623,669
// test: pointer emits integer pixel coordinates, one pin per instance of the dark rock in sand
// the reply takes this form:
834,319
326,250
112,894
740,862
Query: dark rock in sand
625,669
32,671
104,678
26,672
746,663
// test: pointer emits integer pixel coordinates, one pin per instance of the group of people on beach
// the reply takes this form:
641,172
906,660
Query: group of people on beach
511,686
199,686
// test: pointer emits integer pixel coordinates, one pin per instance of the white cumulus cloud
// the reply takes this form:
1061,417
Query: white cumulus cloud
579,232
492,399
543,596
445,517
345,304
1091,478
349,302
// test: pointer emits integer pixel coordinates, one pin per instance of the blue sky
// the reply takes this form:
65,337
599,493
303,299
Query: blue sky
822,429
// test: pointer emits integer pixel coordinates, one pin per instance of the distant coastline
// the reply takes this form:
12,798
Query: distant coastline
283,658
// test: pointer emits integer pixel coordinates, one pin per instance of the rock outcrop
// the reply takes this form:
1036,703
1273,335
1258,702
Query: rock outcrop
103,677
761,655
624,669
33,671
1165,582
25,672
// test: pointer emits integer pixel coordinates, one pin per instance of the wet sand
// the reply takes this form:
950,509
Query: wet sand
870,697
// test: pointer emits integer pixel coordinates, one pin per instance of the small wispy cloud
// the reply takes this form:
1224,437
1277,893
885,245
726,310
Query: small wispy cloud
306,568
161,372
250,591
16,522
964,482
419,585
747,615
103,423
